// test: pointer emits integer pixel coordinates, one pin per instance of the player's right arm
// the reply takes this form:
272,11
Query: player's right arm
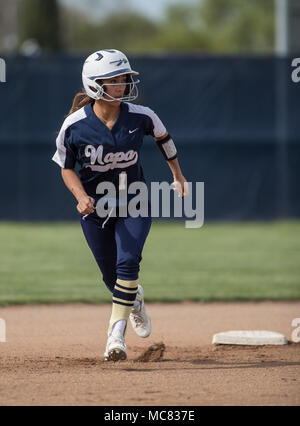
85,202
65,156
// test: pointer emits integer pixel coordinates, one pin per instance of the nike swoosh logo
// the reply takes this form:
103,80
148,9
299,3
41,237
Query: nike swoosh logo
132,131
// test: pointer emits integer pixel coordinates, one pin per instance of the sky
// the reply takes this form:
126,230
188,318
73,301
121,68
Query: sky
152,8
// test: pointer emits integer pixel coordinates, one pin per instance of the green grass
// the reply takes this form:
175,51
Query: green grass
51,263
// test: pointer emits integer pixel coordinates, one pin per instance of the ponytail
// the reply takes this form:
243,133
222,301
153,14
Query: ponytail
80,100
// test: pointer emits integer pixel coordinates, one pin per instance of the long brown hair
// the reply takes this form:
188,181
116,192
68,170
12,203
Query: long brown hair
79,101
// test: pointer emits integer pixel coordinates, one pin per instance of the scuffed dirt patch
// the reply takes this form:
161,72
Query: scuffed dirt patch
153,354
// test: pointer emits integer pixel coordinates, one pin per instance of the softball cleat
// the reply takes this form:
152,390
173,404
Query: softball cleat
116,349
140,321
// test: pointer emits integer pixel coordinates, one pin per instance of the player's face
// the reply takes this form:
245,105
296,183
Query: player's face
118,90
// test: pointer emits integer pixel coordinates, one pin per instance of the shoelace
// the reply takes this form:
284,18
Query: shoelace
138,319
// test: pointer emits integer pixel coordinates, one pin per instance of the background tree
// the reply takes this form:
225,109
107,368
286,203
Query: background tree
39,20
239,25
212,26
220,26
123,31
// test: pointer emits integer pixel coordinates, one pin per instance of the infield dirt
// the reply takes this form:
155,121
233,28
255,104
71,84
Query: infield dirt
54,356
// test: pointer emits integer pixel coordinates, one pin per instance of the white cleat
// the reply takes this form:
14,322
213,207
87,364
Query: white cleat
139,319
116,349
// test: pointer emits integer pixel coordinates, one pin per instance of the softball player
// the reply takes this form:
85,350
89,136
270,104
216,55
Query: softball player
104,134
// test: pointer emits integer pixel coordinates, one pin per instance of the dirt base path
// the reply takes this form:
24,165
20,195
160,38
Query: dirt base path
53,355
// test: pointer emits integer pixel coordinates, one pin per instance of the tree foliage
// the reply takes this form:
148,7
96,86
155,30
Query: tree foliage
39,20
126,31
220,26
214,26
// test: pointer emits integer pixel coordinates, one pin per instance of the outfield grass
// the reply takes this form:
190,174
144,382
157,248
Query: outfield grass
51,263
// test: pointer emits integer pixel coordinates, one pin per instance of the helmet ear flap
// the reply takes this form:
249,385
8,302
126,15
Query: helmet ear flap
100,87
93,89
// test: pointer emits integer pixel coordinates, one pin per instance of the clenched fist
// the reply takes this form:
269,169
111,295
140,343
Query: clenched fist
86,205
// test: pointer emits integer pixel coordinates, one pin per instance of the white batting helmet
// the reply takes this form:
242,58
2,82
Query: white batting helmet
105,64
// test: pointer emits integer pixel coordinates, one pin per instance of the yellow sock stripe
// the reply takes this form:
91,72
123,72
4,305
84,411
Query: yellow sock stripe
124,291
127,284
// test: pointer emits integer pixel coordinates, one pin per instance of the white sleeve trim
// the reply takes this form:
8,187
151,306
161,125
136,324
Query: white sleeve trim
159,129
60,155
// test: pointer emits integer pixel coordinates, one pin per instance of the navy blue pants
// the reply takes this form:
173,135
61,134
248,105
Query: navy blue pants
117,245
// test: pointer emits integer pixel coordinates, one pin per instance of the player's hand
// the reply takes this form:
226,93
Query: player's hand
180,185
86,205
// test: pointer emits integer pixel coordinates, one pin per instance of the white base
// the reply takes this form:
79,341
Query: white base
249,337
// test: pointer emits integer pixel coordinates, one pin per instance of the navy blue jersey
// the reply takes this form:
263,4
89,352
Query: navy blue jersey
101,153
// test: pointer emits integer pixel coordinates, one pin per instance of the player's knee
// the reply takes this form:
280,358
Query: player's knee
128,268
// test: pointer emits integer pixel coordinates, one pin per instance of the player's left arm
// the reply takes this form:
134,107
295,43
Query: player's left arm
167,147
